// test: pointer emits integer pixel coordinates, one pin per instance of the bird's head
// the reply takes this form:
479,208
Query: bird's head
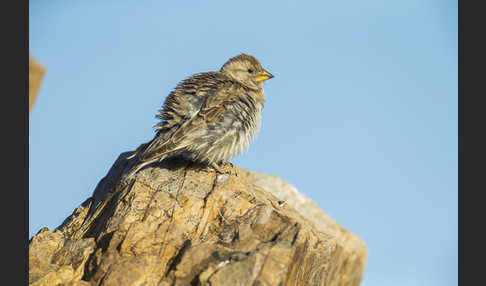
247,70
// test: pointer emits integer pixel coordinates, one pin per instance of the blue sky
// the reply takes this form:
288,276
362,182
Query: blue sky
361,115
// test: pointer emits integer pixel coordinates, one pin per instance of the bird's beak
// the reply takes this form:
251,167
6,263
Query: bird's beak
263,76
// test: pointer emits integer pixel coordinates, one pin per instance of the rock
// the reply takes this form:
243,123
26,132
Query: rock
176,223
36,72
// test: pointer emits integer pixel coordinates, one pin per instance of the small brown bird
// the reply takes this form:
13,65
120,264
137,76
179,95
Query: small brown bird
209,117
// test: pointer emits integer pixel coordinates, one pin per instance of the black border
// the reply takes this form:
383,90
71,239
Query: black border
471,161
15,140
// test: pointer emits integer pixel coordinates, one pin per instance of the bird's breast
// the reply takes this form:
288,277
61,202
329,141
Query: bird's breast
233,132
245,122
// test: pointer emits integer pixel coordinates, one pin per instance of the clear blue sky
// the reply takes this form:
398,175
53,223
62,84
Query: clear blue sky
361,115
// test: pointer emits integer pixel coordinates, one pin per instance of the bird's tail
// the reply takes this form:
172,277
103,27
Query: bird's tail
143,161
140,149
148,153
138,166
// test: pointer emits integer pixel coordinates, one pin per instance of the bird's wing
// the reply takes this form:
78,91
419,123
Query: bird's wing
186,99
194,128
210,112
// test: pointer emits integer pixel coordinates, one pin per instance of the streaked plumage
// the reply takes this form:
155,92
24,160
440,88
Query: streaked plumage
210,117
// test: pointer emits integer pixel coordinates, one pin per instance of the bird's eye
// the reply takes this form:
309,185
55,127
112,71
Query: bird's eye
250,70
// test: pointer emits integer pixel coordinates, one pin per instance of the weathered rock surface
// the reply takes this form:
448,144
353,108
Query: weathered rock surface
178,224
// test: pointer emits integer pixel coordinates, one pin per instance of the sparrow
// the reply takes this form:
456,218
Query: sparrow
209,117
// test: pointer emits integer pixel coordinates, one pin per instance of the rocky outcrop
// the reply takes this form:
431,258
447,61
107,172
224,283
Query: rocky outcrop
179,224
36,72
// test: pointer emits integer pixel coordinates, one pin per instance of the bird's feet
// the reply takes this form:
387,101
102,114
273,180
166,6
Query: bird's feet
225,168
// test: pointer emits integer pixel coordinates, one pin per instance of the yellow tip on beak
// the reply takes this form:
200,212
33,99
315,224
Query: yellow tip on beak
264,75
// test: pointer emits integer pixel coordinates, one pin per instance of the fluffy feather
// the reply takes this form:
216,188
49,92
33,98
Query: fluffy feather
210,117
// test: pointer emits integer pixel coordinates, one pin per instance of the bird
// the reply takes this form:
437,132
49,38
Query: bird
209,117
